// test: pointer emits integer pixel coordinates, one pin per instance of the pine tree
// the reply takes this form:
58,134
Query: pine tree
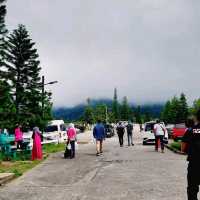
138,116
23,69
125,111
3,32
166,114
100,113
115,106
184,112
7,108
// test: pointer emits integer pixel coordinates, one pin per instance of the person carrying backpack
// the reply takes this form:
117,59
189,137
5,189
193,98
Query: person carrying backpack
129,129
159,131
120,132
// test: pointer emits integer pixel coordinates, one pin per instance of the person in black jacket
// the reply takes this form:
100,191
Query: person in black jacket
129,128
192,139
120,132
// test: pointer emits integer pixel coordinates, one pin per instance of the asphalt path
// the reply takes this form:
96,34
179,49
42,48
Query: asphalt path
135,173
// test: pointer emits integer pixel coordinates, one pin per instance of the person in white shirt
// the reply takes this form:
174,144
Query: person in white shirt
159,131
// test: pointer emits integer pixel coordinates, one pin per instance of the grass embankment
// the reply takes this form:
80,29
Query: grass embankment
176,146
19,167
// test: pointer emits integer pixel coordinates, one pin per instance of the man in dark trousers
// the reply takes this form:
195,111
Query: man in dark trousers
120,132
129,129
191,140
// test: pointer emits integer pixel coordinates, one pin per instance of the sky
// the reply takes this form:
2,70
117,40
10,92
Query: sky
148,49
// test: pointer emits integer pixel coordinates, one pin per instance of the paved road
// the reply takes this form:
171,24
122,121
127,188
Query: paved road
135,173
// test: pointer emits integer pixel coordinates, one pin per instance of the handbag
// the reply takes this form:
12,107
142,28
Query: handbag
67,153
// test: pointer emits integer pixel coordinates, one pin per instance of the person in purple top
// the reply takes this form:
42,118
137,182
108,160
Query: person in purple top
99,135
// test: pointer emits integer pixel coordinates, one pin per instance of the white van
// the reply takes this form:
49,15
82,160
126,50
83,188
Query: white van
55,131
148,133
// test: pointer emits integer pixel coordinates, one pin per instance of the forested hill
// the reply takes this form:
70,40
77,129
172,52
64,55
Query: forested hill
76,112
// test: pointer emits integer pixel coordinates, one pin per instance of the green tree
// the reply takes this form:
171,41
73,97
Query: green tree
125,111
184,112
100,112
115,106
138,116
196,106
7,108
166,114
23,69
89,115
3,32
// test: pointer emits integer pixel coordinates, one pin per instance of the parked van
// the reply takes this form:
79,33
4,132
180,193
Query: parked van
56,131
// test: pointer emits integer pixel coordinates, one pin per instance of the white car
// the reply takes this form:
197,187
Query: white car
56,131
148,133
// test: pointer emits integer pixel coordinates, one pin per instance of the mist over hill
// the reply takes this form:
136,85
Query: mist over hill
76,112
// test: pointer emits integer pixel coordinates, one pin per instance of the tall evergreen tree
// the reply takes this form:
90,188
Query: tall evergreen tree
138,116
166,114
3,32
184,112
100,112
7,108
23,69
125,111
115,106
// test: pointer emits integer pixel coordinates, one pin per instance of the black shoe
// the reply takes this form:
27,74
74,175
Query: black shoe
98,154
132,144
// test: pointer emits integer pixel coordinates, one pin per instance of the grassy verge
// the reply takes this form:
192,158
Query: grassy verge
19,167
176,146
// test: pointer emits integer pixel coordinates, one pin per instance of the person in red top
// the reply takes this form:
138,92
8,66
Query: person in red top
71,134
19,136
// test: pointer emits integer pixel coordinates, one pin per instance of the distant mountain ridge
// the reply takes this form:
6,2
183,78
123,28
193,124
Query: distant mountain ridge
76,112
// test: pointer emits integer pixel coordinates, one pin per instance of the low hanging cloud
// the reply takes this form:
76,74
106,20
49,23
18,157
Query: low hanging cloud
148,49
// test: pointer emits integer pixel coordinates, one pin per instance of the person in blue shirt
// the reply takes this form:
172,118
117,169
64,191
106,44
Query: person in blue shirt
99,135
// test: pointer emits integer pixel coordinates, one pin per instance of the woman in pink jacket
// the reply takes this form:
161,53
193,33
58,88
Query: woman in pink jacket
18,137
71,134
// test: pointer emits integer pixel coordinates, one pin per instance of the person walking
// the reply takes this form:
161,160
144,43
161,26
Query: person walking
192,139
19,137
159,131
120,132
71,134
129,129
99,134
37,146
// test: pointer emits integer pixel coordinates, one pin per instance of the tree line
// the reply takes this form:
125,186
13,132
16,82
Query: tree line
118,111
177,110
20,82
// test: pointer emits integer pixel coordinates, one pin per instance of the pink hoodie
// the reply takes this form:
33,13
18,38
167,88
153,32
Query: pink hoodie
18,135
71,134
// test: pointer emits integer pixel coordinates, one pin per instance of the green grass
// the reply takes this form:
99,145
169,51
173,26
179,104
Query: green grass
19,167
53,148
176,146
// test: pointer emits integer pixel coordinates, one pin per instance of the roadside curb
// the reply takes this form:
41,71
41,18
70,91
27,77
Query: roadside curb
175,150
6,177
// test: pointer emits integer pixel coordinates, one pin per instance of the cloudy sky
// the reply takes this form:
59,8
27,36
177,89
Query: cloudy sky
148,49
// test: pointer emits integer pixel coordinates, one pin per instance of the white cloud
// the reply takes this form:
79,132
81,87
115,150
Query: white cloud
149,49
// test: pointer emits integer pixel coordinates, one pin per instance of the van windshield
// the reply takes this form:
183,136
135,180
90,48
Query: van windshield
51,128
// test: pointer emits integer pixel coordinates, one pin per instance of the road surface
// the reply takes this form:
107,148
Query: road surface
135,173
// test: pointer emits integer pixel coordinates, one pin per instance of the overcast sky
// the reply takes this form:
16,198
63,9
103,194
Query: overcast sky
148,49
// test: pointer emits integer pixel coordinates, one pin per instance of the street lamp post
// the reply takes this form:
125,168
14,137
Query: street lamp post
43,93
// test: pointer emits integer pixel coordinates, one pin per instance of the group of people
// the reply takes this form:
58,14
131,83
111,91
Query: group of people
99,134
37,142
